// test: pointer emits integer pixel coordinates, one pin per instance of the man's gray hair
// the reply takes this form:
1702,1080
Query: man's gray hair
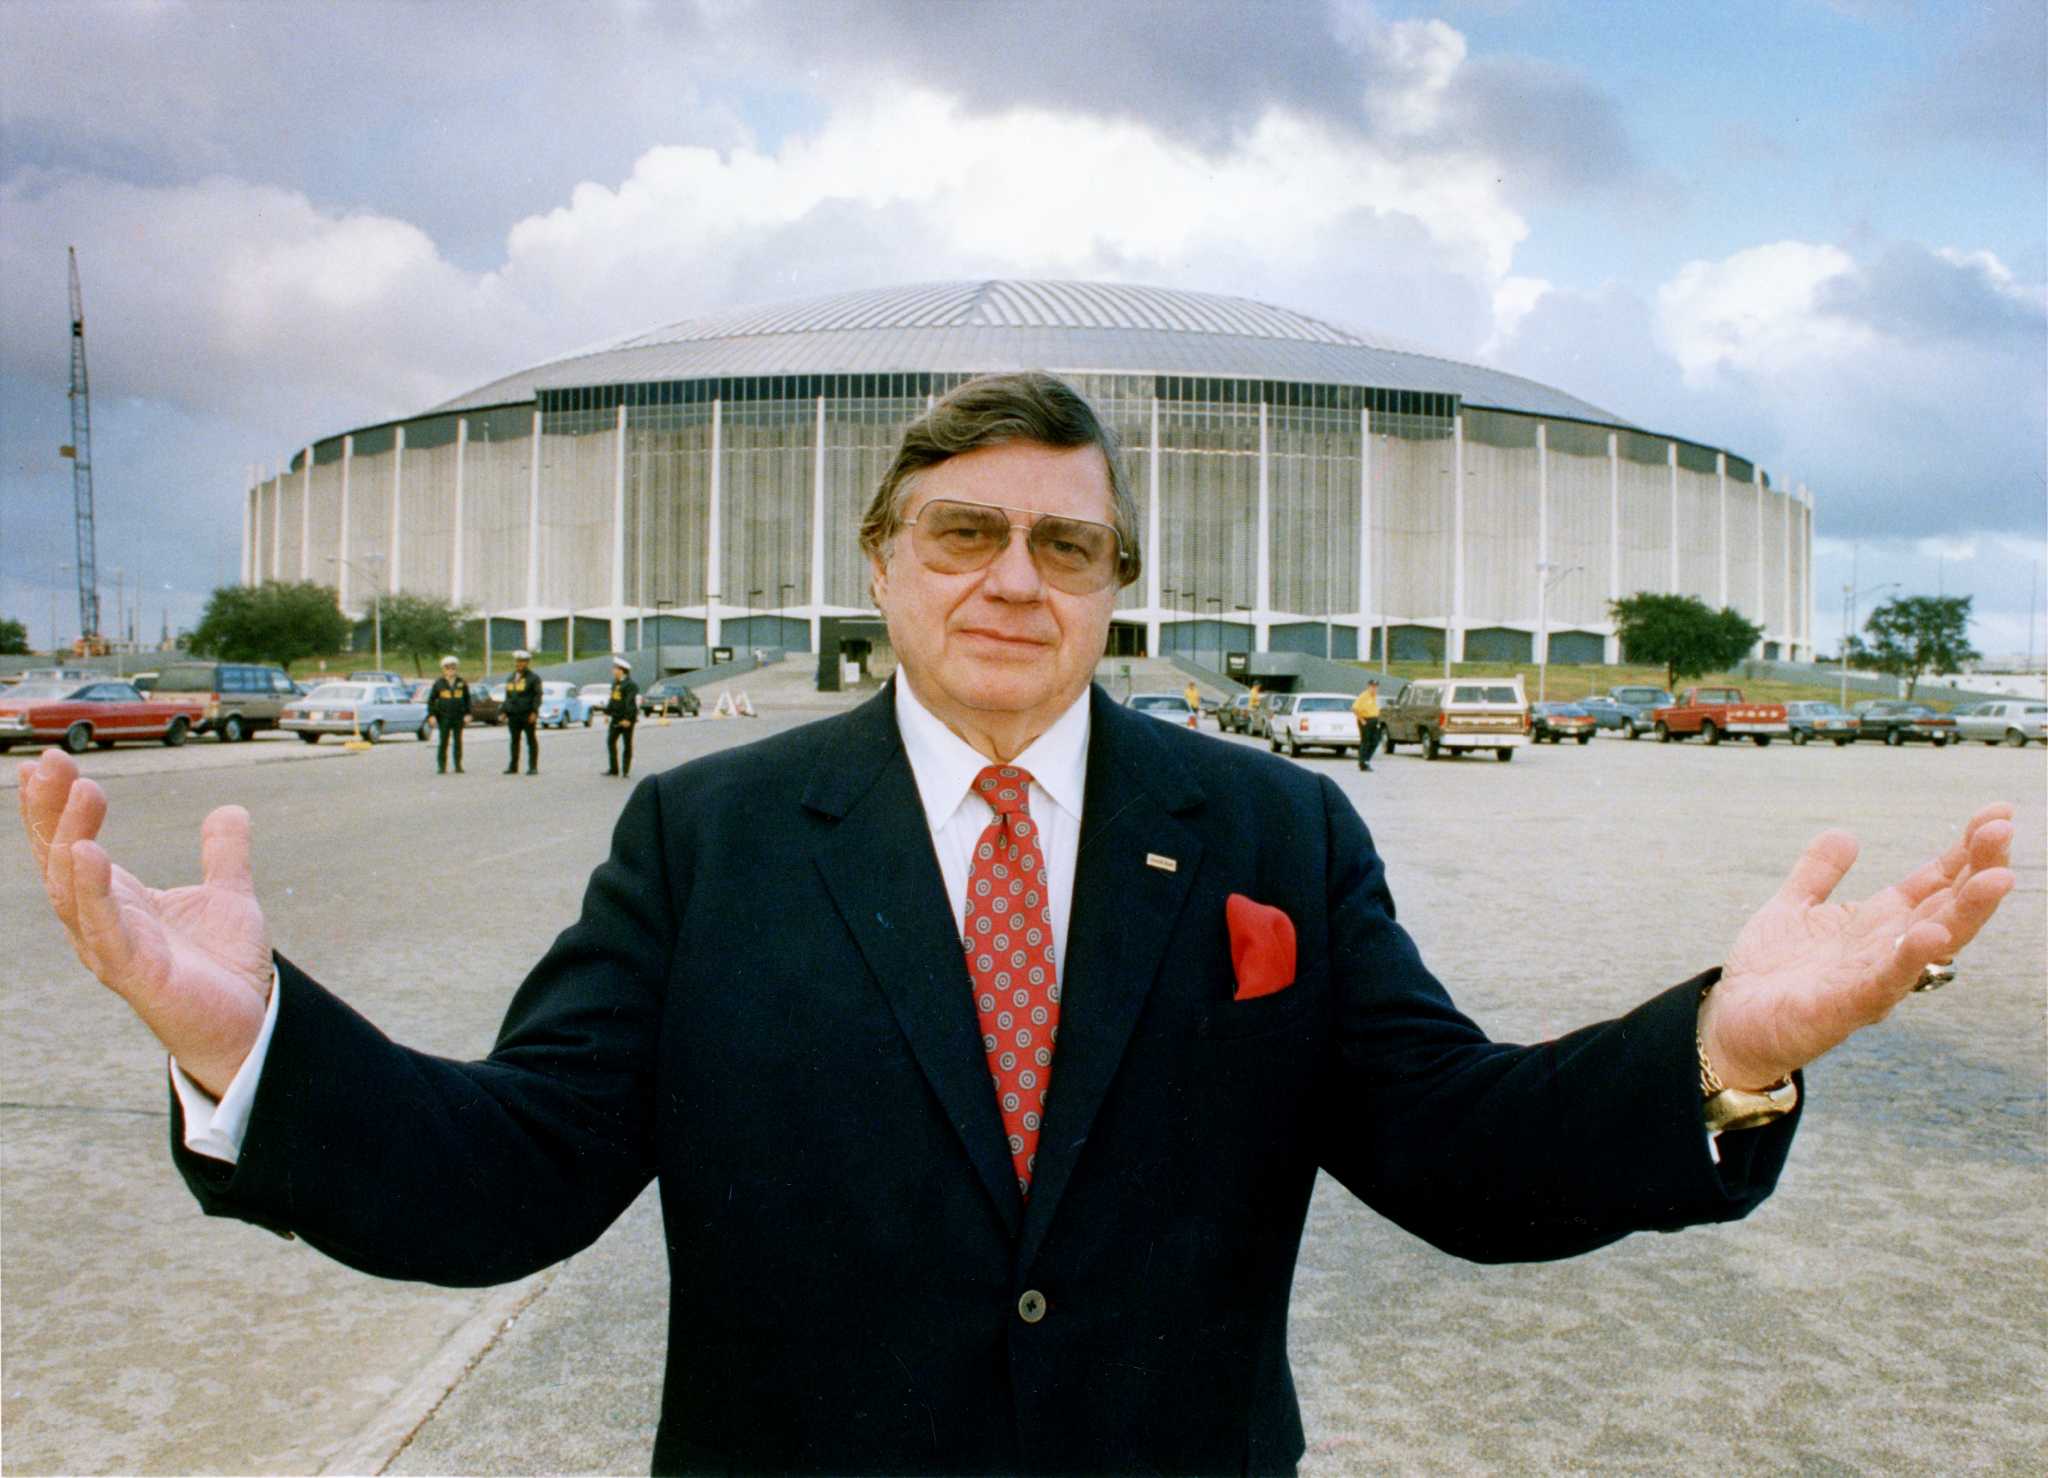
999,410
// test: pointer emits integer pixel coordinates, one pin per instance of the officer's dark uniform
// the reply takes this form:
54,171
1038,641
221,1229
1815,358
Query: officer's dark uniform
448,706
522,716
623,709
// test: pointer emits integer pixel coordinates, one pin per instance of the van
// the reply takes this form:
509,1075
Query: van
240,697
1451,715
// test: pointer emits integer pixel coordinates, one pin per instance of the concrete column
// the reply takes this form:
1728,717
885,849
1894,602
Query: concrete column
618,600
714,529
396,564
1368,584
1262,593
248,532
306,517
1721,539
1613,537
818,534
1542,539
533,536
455,570
1761,619
1671,462
348,457
276,521
1787,624
1154,555
1454,631
1806,565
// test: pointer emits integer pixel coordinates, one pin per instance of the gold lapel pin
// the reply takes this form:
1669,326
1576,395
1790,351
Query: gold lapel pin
1164,864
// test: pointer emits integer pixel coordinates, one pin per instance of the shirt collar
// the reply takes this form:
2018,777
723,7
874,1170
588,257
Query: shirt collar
944,765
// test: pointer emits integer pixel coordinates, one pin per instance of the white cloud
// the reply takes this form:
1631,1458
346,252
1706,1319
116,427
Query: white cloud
1758,310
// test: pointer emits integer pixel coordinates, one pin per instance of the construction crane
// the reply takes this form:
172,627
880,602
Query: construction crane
80,453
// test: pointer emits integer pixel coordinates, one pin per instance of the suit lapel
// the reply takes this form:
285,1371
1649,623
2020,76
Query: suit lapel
878,865
1124,913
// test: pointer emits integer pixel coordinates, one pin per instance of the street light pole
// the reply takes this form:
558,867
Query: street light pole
660,638
1850,595
375,575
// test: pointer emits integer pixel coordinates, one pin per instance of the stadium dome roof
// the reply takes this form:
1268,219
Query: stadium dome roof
1004,324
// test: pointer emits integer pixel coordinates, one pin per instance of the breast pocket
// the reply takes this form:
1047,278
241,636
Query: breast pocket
1231,1020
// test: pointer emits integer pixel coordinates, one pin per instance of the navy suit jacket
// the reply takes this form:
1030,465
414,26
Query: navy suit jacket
764,1005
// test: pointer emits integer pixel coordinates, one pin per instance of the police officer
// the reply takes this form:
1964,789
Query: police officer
1371,727
522,712
623,709
448,707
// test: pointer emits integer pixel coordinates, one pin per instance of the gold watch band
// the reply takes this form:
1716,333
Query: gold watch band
1725,1110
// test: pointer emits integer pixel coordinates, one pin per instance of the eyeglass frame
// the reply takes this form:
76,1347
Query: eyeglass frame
1039,515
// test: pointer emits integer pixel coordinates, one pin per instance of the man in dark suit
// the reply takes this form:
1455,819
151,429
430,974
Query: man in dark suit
986,1040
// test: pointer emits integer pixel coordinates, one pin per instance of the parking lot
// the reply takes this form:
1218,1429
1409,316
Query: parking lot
1887,1311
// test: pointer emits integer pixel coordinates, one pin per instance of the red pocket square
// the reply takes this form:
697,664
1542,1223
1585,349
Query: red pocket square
1261,947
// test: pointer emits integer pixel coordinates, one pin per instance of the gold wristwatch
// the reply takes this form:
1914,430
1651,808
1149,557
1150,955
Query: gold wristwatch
1724,1109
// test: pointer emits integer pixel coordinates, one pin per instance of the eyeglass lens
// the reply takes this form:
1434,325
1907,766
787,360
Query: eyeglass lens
1076,555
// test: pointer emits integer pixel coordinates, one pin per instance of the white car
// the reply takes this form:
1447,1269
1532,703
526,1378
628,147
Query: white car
369,709
1313,721
594,696
2015,721
1173,707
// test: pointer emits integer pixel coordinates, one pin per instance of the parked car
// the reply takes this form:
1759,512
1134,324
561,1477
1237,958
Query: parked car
1607,714
1902,723
670,695
145,682
1812,719
486,702
80,715
2015,721
1234,716
1557,722
1314,721
381,675
1460,714
1640,701
560,707
1173,707
595,696
237,698
371,710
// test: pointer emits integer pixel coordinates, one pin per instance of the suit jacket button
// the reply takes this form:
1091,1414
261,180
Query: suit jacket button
1031,1307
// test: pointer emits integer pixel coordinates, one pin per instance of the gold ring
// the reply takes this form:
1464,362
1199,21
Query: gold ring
1935,976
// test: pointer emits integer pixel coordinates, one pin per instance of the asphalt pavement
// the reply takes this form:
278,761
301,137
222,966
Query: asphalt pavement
1886,1311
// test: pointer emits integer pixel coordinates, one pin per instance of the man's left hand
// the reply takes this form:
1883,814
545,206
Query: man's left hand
1806,973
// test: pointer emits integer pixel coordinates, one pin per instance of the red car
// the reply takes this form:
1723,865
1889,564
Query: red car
80,715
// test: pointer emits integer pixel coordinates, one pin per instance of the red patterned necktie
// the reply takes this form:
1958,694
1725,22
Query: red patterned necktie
1007,935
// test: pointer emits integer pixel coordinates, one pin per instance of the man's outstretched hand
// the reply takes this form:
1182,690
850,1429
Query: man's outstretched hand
194,962
1805,973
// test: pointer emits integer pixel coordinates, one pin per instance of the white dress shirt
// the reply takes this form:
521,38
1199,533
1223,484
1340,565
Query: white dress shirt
944,766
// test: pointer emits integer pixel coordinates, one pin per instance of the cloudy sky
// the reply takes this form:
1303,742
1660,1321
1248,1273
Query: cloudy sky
1810,232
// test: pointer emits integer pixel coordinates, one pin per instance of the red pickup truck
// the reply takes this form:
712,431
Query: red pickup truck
1714,712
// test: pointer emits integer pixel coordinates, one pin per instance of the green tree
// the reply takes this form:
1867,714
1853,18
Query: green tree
13,637
422,626
1915,634
1683,632
274,622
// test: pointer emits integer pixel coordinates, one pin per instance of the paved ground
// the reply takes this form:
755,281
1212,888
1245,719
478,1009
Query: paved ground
1887,1311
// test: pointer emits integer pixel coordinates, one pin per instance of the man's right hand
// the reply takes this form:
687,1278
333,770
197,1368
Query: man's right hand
193,962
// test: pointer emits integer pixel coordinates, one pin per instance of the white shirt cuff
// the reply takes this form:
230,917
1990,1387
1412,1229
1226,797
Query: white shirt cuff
216,1129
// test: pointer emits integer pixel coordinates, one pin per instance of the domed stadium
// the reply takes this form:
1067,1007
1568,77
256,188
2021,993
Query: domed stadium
1301,486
